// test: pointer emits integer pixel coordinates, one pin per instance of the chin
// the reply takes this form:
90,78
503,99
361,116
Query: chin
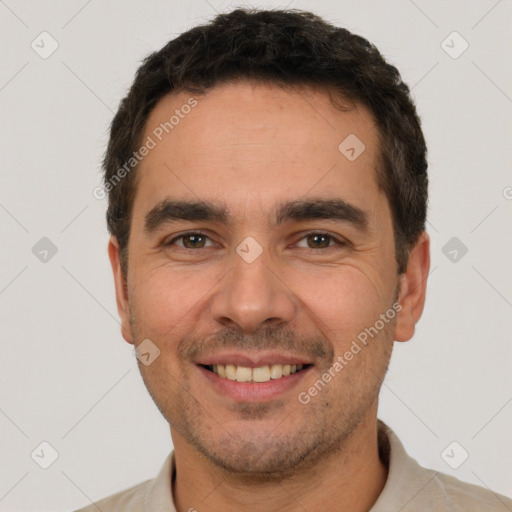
261,454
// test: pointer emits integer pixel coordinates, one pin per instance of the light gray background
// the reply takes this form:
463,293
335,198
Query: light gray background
68,377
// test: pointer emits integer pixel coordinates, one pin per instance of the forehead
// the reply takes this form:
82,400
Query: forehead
253,144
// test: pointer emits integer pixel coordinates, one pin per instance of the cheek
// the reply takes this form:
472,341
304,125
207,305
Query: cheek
345,301
164,301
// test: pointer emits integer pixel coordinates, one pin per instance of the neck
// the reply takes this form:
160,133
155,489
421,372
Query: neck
350,478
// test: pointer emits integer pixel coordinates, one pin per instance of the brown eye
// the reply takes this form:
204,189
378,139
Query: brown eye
320,241
190,241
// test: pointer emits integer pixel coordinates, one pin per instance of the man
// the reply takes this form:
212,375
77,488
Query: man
267,183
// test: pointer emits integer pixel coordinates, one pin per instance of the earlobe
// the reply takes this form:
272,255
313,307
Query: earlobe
413,289
123,306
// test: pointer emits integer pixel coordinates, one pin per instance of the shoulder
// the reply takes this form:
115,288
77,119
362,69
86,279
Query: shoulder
129,500
464,496
412,488
154,494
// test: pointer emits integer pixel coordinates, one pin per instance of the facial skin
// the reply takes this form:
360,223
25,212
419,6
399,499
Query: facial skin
250,148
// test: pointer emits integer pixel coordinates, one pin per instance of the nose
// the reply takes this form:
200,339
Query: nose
253,295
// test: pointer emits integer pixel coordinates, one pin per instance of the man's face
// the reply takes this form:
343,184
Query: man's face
261,285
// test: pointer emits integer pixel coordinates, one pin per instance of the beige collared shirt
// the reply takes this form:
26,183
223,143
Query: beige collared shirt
409,488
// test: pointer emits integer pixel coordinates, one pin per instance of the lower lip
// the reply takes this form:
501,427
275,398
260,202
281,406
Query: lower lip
254,391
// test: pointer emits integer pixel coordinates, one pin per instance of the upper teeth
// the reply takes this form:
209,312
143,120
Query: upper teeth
259,374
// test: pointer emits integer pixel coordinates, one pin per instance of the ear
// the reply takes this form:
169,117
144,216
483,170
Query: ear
413,287
121,289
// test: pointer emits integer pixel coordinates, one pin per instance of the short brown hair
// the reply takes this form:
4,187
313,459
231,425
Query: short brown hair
285,47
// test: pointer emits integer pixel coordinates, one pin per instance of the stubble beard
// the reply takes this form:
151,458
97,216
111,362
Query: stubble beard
304,439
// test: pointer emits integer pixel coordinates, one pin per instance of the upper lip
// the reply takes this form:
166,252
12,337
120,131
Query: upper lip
251,360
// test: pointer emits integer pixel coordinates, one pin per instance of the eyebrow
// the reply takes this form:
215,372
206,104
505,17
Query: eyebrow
334,209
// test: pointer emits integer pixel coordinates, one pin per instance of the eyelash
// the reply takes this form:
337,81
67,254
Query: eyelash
337,242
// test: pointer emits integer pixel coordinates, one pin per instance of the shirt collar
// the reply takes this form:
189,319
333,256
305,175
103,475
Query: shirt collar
159,495
406,478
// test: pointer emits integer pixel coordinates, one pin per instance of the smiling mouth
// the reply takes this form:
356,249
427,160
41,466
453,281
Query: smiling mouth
259,374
